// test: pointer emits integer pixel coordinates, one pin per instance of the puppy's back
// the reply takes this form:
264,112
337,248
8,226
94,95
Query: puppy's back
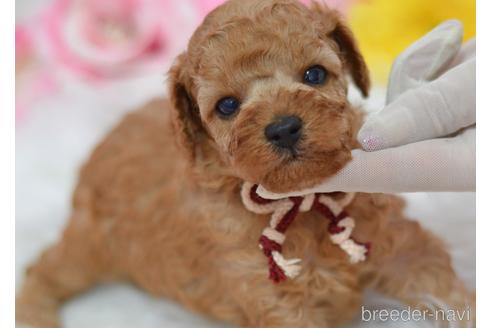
135,159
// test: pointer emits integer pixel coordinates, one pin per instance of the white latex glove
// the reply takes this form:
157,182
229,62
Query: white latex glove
424,139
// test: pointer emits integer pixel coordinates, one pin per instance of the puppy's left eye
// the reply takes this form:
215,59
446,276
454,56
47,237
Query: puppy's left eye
227,106
315,75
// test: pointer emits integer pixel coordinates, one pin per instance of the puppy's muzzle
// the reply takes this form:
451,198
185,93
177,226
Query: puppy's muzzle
285,132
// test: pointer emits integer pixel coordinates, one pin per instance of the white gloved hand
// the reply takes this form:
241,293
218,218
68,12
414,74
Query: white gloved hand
424,139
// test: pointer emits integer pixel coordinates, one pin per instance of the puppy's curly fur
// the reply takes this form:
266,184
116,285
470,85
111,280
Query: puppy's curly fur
167,216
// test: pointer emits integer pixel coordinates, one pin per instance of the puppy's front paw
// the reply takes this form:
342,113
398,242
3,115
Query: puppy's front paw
31,316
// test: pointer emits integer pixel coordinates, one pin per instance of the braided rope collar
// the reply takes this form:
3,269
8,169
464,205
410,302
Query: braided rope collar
284,211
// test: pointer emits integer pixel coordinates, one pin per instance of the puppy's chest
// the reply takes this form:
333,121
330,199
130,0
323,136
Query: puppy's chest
241,229
308,238
309,225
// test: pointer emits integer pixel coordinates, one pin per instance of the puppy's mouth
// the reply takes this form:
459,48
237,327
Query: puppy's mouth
289,155
300,168
298,159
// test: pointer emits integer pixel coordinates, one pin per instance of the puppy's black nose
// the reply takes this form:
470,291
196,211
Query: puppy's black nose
285,132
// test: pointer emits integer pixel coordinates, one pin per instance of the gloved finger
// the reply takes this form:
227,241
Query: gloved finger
422,61
445,164
433,110
467,52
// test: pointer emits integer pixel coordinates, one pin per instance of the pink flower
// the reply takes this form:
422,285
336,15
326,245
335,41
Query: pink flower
206,6
107,38
23,43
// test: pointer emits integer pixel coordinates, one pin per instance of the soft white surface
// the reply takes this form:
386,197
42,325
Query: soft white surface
56,138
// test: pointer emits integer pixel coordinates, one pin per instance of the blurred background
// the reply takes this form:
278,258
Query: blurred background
82,64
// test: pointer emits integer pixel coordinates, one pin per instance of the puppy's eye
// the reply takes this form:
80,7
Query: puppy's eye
227,106
315,75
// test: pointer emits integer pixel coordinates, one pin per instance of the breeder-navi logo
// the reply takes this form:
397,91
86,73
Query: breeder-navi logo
408,314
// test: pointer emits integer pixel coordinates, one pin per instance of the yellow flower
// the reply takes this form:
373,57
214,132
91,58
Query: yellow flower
384,28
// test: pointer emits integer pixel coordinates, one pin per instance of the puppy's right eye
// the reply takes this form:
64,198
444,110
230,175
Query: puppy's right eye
315,75
227,106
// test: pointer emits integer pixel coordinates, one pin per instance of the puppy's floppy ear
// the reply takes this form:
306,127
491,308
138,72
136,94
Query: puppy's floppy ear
185,115
336,29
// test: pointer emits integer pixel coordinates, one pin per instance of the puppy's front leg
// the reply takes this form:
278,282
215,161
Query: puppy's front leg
323,295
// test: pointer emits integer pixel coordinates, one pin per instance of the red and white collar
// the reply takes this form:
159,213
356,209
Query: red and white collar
284,211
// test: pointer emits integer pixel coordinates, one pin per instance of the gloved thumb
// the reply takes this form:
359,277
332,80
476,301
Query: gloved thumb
425,59
433,110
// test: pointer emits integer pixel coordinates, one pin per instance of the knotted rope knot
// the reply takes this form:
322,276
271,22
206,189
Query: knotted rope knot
284,211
